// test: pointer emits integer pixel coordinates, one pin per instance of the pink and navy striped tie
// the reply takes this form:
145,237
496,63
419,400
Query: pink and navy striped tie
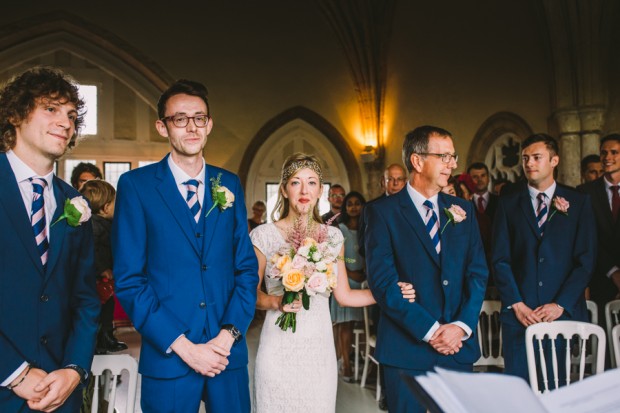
541,212
432,225
37,218
192,198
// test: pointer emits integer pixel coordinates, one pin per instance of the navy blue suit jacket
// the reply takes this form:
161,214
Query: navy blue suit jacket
449,286
539,270
174,276
48,318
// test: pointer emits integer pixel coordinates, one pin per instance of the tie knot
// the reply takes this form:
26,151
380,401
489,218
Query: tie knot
542,197
192,183
614,188
428,204
38,184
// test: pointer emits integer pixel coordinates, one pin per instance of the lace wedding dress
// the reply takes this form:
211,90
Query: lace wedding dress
295,372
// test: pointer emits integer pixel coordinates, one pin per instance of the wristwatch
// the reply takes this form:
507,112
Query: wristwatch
234,331
83,373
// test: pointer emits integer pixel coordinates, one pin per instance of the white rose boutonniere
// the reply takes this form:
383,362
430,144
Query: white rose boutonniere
222,197
455,215
76,212
560,205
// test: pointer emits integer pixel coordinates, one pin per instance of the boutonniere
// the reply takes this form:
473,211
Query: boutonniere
221,196
560,205
455,215
76,212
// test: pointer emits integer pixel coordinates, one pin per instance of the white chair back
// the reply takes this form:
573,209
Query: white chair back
566,329
612,318
107,369
371,343
490,335
615,338
592,311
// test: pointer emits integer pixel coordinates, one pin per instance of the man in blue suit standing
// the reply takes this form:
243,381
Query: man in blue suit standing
48,301
185,268
431,240
544,249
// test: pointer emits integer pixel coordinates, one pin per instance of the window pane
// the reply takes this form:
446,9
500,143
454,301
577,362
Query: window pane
70,164
113,170
89,94
145,163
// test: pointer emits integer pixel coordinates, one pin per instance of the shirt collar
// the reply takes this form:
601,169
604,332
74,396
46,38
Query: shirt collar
181,176
418,199
23,172
607,183
548,192
484,196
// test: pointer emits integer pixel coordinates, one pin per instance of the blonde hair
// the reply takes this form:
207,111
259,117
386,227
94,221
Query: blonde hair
99,193
291,165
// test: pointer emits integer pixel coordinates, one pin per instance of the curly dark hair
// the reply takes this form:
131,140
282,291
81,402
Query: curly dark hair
80,169
19,96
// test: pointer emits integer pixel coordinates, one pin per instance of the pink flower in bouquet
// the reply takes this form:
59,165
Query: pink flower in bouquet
299,262
317,283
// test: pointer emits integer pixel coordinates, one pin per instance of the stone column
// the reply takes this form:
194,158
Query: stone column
569,124
592,124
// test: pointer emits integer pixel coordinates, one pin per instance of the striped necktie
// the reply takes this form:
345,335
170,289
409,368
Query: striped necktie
37,218
432,225
541,212
192,198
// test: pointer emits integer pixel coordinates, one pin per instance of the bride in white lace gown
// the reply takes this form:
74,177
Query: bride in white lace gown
296,372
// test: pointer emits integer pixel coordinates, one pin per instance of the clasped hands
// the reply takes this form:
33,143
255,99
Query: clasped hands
447,339
208,359
46,392
545,313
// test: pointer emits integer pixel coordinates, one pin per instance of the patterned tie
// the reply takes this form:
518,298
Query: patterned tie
481,204
432,225
37,218
541,212
615,202
192,198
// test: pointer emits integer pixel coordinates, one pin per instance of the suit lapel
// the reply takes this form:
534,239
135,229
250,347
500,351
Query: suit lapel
525,204
11,200
603,207
209,222
442,202
58,231
177,206
412,216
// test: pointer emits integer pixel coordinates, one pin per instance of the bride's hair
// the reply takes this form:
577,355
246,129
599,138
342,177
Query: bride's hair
291,165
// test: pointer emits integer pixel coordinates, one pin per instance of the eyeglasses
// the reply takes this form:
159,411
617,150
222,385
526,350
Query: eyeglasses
395,180
181,121
445,157
336,196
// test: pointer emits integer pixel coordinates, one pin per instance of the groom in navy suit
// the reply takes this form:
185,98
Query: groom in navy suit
544,249
48,302
431,240
185,268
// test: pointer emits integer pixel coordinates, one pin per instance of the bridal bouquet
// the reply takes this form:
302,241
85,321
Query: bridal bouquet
306,267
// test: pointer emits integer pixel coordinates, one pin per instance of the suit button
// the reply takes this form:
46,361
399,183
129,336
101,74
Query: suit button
540,284
198,235
44,298
204,267
43,340
541,260
203,305
445,282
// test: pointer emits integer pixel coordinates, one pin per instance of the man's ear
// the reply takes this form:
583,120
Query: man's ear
209,125
161,127
555,160
417,162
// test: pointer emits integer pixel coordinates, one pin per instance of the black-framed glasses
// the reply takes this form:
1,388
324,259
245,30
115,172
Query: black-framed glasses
181,121
392,180
445,157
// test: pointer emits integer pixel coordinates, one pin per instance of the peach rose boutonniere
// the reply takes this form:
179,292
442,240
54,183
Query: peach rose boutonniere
222,197
76,211
560,205
455,215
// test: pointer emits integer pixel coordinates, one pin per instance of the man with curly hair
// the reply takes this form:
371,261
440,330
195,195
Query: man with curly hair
48,302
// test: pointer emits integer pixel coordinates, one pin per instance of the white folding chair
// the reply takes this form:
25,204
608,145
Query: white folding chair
490,354
357,332
615,339
371,342
566,329
612,318
107,369
592,311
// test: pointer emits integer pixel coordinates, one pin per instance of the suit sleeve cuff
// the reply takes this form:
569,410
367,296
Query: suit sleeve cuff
613,270
169,350
465,328
15,374
430,332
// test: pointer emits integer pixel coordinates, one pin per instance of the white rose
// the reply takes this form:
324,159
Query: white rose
230,197
304,252
321,266
317,283
316,256
82,206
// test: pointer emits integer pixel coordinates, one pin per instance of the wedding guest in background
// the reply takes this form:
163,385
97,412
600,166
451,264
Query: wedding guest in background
591,168
453,188
83,172
544,249
499,184
344,318
410,238
48,320
335,197
102,196
467,185
258,214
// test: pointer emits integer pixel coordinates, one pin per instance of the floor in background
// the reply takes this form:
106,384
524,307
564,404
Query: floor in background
351,397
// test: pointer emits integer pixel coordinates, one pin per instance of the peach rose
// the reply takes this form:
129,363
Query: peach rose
293,280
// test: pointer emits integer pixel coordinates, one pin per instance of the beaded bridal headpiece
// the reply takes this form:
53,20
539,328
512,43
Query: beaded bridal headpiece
297,165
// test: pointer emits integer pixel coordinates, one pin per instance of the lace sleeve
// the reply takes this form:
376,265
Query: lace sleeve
260,238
